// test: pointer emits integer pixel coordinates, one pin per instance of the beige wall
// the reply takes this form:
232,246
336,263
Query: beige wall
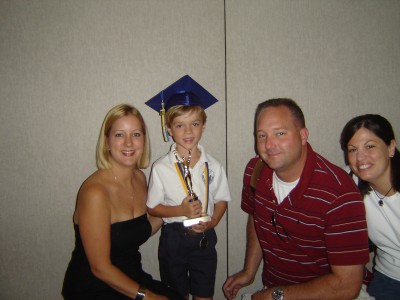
63,64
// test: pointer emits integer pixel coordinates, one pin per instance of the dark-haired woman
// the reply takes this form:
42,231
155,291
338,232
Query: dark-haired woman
369,147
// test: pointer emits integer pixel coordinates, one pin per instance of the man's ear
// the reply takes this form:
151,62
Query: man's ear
304,135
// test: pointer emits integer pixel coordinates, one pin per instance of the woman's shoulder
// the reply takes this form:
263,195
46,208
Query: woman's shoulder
93,196
140,176
96,185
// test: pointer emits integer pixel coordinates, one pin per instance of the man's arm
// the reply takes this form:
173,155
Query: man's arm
344,282
252,261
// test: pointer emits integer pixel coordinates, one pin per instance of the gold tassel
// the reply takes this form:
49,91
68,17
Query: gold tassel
163,125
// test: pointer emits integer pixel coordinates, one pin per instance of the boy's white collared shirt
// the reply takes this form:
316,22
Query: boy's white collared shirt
165,186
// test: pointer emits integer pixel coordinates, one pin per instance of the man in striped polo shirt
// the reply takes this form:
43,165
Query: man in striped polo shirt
306,218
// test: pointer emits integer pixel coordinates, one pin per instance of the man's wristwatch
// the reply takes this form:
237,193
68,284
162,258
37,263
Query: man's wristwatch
277,294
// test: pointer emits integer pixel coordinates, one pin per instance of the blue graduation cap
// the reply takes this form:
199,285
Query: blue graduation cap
185,91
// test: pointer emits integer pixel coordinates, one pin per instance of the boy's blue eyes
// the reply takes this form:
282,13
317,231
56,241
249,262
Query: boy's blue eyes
193,124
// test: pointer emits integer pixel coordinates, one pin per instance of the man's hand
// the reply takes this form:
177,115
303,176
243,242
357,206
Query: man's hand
262,295
234,283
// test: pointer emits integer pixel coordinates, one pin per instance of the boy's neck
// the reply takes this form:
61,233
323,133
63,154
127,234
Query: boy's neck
184,153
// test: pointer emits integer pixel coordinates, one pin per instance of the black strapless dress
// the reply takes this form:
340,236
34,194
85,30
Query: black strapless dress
126,238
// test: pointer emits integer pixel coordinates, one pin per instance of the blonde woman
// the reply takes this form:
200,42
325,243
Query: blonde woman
110,219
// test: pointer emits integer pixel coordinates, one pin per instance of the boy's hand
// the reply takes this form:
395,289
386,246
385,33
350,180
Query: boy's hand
201,227
191,208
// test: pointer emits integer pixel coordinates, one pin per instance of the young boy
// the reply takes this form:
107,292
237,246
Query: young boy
187,188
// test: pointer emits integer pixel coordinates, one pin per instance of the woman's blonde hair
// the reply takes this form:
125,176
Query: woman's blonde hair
180,110
102,152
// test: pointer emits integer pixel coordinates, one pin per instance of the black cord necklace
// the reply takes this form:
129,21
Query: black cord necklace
380,202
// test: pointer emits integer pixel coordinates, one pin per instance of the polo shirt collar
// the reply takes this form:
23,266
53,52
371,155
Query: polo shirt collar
306,175
203,157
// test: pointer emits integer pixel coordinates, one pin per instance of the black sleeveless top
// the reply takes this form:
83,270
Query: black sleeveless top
126,238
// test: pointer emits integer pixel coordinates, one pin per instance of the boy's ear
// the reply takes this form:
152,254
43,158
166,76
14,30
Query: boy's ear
169,131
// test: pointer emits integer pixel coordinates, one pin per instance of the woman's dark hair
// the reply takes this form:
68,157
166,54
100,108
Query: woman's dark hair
383,130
